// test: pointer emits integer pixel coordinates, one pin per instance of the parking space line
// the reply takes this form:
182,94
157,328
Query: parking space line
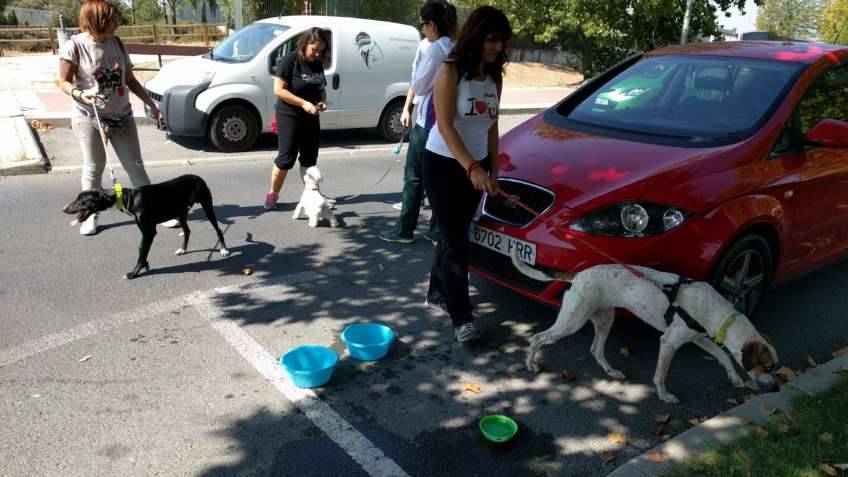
356,445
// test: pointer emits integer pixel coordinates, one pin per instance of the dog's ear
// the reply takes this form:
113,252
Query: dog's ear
751,354
754,354
766,337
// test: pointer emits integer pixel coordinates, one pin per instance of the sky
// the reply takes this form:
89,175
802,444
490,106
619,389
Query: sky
742,23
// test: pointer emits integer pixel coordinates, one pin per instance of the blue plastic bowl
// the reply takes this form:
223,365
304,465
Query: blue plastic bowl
368,341
309,366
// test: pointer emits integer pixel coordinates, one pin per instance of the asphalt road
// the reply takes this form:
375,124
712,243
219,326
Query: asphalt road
174,373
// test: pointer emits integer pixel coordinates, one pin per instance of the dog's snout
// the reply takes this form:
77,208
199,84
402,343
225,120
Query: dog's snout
768,383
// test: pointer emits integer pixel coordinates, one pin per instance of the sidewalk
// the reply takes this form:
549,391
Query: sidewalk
738,422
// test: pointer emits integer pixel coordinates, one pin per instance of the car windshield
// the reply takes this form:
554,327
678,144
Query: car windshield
246,43
686,99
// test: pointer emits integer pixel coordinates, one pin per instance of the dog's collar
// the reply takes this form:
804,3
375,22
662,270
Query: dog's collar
721,334
310,188
119,195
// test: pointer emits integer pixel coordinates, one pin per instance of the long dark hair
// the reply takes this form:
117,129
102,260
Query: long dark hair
442,14
483,22
311,36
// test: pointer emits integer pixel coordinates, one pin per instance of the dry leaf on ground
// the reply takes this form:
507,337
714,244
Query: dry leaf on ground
474,388
811,362
625,351
657,430
748,397
826,437
381,267
732,402
769,410
607,456
566,376
85,358
784,428
247,271
319,264
786,374
661,418
617,438
762,432
840,352
828,470
744,421
656,457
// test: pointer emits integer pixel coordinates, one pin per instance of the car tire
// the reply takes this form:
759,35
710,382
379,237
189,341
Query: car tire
743,273
390,127
233,128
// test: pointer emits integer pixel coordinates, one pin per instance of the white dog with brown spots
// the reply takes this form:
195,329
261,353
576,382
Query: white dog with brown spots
596,291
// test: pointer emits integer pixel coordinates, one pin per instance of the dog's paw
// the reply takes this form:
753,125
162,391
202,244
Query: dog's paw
225,252
179,251
313,224
74,222
616,374
669,398
182,234
532,366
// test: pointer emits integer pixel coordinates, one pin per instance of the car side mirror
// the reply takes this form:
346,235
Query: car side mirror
828,133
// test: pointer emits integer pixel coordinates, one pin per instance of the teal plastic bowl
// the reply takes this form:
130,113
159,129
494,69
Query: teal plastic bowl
498,428
368,341
309,366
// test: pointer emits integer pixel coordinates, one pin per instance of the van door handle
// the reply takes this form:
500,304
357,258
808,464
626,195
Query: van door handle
336,81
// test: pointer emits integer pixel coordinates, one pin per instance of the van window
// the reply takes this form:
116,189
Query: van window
290,45
246,43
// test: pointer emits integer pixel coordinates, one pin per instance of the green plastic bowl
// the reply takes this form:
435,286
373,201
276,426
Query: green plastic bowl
498,428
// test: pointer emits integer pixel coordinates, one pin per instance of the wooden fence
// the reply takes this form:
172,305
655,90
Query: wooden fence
45,38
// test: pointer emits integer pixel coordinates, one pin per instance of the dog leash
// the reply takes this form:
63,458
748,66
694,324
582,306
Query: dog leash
119,190
515,200
396,151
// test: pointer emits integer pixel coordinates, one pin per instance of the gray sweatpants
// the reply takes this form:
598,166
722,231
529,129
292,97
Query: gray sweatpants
123,142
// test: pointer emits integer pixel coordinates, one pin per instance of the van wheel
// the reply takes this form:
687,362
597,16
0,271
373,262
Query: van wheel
744,272
233,128
390,126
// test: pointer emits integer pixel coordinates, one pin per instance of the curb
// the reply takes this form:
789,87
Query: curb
61,120
731,425
31,160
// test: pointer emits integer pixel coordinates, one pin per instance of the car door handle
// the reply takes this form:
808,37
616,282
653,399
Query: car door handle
336,81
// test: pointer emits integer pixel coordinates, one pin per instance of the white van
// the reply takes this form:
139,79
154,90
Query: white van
228,94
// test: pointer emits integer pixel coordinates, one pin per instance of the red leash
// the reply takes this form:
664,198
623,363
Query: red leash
515,200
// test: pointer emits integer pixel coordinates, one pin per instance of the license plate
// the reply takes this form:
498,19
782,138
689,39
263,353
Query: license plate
502,243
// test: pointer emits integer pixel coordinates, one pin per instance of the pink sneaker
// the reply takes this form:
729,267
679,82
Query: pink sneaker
271,201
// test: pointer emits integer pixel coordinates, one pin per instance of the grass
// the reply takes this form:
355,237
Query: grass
815,432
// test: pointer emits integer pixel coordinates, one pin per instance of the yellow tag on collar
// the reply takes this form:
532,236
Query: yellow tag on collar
119,194
721,334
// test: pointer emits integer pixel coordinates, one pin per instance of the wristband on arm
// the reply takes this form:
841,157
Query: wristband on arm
474,165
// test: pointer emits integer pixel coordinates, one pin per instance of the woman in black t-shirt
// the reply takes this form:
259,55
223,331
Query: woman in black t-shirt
299,87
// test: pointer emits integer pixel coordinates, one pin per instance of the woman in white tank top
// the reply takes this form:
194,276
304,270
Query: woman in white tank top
460,157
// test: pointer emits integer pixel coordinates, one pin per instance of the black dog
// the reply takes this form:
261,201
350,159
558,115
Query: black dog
150,205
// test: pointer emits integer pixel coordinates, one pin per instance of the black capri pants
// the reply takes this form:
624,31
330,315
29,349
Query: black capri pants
297,136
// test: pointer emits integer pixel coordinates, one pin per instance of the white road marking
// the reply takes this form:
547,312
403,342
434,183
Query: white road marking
356,445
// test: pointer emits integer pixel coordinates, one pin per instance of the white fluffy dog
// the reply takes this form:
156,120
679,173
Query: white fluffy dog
313,204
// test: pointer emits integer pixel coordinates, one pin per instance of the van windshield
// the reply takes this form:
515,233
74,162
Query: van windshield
245,44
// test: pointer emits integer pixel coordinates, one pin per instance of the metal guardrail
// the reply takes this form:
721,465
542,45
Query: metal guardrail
42,38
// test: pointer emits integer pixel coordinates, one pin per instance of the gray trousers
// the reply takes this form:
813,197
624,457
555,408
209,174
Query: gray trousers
124,143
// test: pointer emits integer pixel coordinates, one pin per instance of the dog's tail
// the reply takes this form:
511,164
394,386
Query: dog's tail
538,274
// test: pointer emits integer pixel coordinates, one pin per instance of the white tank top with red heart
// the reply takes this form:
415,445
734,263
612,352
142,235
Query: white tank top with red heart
476,110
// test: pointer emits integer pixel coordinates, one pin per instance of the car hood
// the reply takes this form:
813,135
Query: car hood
185,71
584,169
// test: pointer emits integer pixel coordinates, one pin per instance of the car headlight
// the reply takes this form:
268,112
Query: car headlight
631,219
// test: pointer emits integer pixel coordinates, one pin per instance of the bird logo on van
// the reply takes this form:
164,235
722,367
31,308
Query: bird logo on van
369,49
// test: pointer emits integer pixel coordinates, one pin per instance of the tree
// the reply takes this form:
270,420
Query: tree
789,18
833,22
605,31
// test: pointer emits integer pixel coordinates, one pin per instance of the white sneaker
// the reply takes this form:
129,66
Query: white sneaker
397,205
171,224
466,332
89,227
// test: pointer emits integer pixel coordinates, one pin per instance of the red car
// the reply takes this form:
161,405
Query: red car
724,162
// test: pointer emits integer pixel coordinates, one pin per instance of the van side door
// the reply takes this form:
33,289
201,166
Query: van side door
331,67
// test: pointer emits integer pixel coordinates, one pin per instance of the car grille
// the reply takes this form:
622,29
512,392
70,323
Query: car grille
154,96
537,198
500,267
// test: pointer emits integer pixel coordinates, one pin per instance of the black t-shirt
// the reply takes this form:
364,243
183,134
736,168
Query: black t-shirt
304,78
